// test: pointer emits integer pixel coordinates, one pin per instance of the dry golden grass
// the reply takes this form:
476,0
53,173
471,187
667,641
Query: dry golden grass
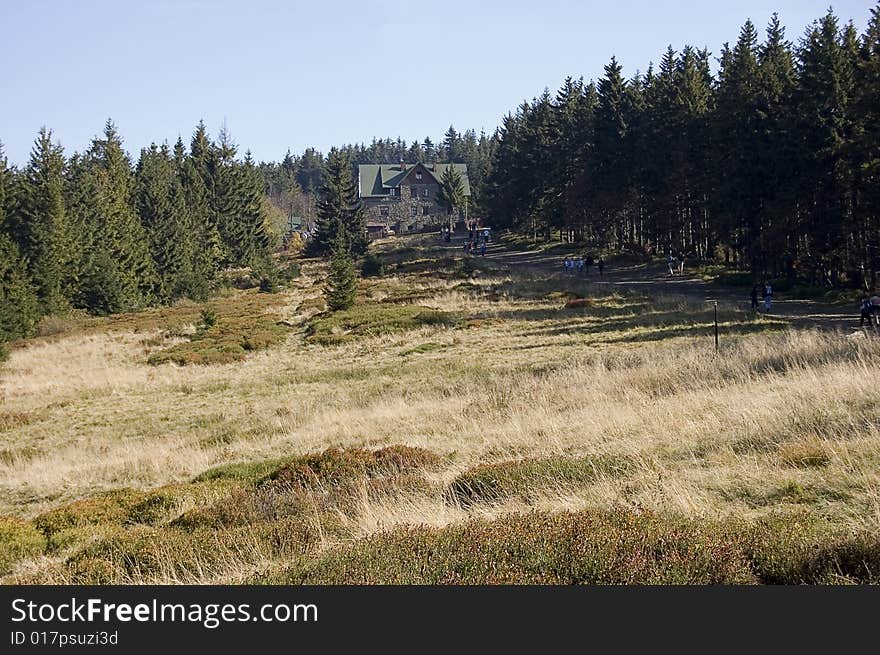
778,420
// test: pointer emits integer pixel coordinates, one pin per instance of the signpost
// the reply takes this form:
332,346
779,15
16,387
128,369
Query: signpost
716,325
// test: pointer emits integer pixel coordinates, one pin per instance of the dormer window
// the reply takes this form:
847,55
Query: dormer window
418,175
391,192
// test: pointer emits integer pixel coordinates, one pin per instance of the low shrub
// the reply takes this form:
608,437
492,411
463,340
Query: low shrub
143,554
244,471
372,266
372,319
618,546
228,339
18,539
589,547
111,507
336,467
488,483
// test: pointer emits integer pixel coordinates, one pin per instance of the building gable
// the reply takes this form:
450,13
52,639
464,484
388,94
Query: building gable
377,180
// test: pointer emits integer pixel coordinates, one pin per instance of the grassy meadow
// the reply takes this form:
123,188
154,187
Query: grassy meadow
465,422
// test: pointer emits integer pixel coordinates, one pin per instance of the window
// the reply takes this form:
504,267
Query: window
383,210
391,192
425,193
426,210
413,211
418,175
409,227
415,192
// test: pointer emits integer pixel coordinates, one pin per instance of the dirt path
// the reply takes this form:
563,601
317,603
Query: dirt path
654,279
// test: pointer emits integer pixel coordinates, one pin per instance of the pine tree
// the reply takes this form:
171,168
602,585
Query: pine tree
608,163
5,183
341,288
161,204
339,209
39,222
119,274
19,307
254,234
826,90
867,146
450,193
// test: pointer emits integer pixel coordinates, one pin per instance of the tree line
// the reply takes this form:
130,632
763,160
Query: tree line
772,163
98,232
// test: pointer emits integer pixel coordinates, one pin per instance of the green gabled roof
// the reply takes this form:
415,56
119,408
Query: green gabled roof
376,179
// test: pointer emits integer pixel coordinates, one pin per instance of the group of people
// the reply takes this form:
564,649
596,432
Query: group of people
869,311
581,265
767,296
674,262
475,246
446,233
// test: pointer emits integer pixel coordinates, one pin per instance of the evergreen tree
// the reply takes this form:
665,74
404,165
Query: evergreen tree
341,288
339,209
39,222
5,190
450,194
119,274
19,307
161,204
826,90
867,150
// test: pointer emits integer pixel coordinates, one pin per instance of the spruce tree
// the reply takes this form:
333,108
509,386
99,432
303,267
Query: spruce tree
254,234
450,194
5,183
341,286
161,205
39,224
339,209
19,306
119,274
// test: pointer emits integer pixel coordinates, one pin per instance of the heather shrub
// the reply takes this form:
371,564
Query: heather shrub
336,467
18,539
522,478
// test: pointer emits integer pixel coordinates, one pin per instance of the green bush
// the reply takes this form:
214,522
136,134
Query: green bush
590,547
289,272
522,478
619,546
209,318
18,539
372,319
372,266
102,508
336,467
244,471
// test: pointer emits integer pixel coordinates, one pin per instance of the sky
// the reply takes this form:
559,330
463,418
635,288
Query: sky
292,74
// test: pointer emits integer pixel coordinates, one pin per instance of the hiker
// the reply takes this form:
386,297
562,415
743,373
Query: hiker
580,265
755,297
482,248
669,260
866,311
681,265
768,296
601,265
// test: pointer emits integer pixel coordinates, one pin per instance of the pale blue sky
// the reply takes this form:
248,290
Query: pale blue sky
297,74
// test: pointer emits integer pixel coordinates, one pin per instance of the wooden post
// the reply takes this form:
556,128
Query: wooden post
716,325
